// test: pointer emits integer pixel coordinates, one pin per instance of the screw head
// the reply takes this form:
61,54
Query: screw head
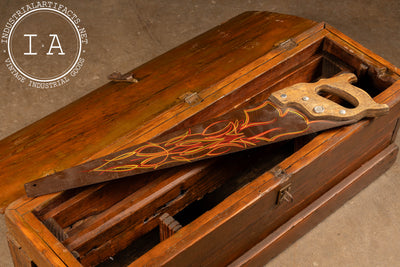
342,112
305,98
318,109
284,96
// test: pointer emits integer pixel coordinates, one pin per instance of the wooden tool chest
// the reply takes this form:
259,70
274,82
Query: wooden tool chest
240,209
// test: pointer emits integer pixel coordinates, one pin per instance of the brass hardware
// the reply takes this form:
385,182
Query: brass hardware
192,98
118,77
280,173
284,195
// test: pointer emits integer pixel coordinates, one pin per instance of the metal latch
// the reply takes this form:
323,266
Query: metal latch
284,195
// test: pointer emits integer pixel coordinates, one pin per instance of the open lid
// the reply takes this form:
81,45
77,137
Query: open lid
171,88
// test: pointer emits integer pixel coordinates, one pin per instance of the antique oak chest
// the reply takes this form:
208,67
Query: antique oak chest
240,209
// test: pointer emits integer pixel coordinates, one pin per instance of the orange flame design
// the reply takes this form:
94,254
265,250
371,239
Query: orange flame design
235,135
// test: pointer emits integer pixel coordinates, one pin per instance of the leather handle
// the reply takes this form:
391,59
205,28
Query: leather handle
305,97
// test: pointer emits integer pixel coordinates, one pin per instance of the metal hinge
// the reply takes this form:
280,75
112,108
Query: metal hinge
287,44
192,98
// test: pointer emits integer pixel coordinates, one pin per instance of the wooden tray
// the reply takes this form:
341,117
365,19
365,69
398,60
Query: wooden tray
240,209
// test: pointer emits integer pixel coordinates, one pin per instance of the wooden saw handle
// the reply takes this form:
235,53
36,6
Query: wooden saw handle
305,97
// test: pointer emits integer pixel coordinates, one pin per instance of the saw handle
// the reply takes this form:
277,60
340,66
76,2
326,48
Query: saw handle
305,97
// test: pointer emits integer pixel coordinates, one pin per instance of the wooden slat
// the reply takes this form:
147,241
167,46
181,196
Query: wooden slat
29,203
95,200
168,226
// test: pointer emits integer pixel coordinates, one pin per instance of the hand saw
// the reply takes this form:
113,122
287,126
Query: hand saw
288,113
